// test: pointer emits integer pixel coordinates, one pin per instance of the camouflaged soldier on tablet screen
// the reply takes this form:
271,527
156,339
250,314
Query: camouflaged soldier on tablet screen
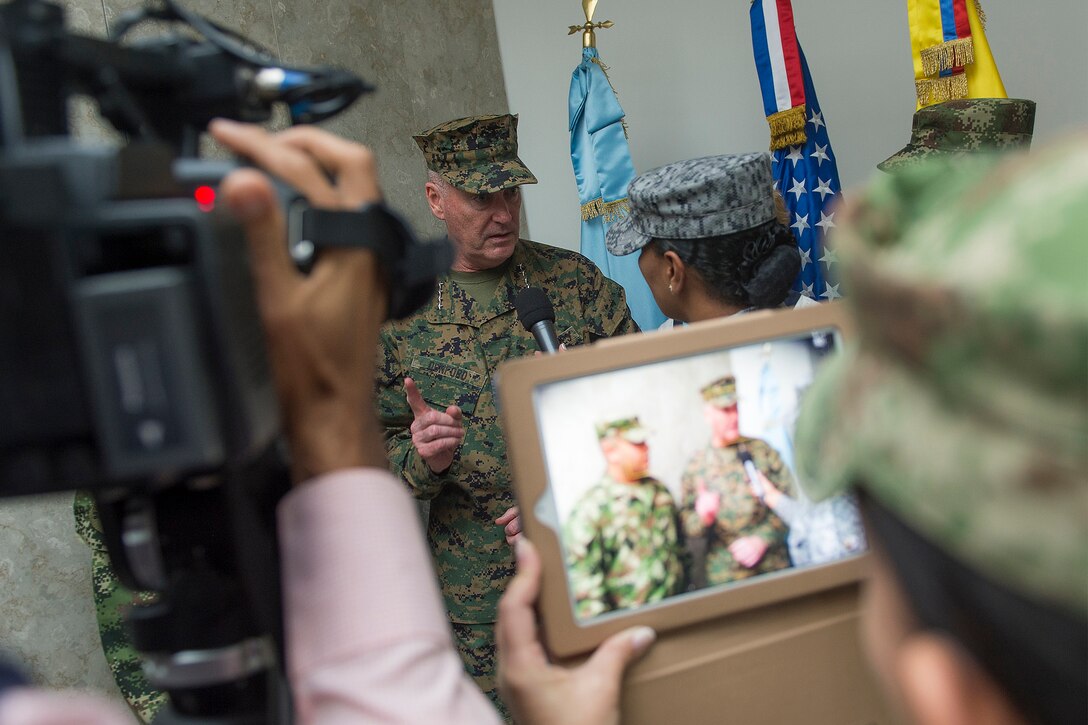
435,388
722,503
624,544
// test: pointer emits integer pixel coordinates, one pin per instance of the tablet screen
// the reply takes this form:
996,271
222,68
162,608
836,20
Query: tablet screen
676,478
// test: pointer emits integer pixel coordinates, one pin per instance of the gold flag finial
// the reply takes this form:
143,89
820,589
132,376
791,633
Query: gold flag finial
589,38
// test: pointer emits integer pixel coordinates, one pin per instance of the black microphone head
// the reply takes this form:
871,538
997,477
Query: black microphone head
743,454
533,306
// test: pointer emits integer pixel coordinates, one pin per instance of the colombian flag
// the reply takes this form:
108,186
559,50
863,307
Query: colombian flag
951,56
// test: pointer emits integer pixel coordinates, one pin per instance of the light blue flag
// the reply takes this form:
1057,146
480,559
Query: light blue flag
603,169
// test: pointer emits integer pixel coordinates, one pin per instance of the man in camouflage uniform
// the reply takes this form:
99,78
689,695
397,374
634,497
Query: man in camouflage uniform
960,417
965,126
112,601
624,545
719,503
436,395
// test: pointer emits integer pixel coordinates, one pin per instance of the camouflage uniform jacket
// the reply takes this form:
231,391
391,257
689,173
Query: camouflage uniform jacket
741,514
451,348
624,546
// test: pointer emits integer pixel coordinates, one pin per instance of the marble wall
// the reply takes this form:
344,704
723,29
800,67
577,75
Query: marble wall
431,61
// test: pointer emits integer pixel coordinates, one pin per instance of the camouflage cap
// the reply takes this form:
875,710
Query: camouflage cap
966,125
478,154
721,392
630,429
695,199
963,407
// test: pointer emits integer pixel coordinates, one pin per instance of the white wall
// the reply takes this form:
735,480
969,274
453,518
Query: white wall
685,76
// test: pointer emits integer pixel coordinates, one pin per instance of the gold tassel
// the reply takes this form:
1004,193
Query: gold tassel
946,56
939,90
981,14
591,209
615,210
787,127
604,69
610,210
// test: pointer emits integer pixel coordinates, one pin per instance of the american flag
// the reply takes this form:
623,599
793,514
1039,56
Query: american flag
803,163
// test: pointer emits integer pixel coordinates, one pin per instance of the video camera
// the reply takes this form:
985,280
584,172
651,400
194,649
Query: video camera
132,360
130,348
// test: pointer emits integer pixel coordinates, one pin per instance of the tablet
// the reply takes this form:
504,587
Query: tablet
655,474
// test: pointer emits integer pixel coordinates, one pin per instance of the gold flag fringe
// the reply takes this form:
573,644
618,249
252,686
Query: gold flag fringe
939,90
610,210
981,13
604,69
787,127
951,54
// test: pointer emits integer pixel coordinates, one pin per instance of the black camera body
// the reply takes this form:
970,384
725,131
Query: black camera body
135,353
131,352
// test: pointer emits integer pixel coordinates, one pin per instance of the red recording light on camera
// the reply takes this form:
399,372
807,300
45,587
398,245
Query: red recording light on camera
205,197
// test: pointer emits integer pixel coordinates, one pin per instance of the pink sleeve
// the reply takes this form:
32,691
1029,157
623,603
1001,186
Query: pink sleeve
32,706
367,635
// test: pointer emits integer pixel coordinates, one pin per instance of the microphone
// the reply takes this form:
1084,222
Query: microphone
750,472
537,315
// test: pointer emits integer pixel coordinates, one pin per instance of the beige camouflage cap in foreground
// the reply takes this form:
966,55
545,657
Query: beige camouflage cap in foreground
963,408
478,154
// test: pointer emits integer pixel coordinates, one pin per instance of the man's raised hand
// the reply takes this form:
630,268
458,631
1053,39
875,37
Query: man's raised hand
435,434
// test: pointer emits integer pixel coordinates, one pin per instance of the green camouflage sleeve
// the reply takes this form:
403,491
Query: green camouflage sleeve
585,560
607,314
112,600
689,520
767,460
396,418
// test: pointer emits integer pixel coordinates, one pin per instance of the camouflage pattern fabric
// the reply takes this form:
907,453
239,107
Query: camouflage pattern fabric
966,125
451,348
721,392
478,154
624,546
111,602
964,408
629,429
476,645
694,199
741,514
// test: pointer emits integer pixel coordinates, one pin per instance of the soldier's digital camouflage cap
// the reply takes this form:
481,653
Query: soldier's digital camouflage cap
630,429
694,199
966,125
963,405
721,392
478,154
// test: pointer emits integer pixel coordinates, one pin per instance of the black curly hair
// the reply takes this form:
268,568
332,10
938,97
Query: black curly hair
751,268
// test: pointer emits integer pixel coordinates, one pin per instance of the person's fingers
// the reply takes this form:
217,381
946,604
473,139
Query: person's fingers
415,398
618,651
355,166
507,516
433,433
292,165
455,412
250,197
516,633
